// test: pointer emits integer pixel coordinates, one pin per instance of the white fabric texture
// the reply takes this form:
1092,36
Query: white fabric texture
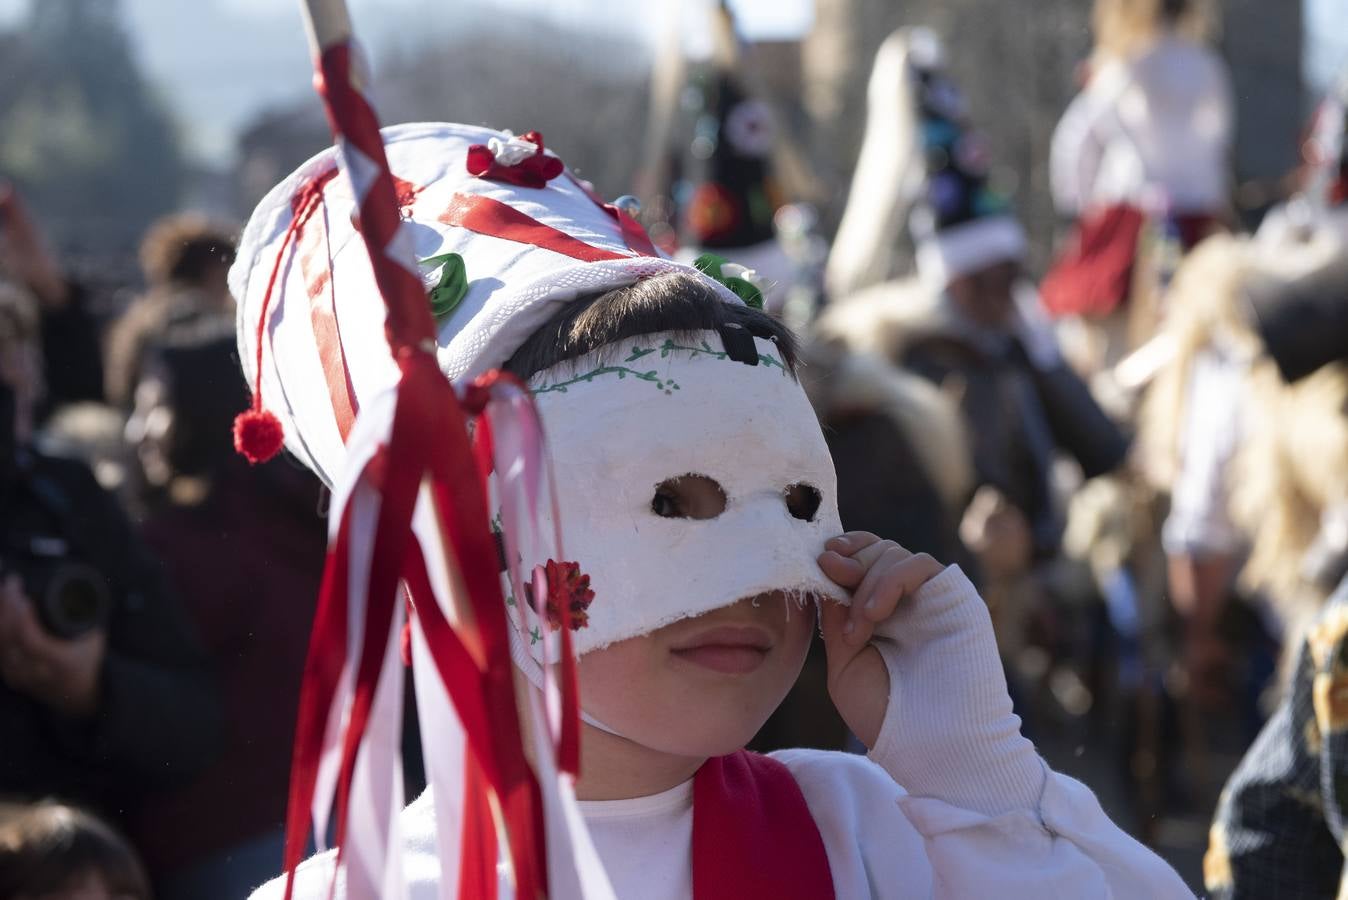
1199,523
952,803
890,172
513,287
963,249
1160,121
622,421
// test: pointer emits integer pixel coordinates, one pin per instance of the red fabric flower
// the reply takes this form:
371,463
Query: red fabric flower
533,171
569,587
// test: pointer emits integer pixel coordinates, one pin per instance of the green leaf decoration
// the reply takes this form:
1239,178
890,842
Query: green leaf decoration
451,286
710,264
747,292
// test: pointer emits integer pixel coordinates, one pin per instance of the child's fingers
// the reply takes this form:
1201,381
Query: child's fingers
849,543
864,595
891,585
843,636
841,569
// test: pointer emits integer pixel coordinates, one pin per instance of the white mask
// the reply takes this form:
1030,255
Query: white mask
636,414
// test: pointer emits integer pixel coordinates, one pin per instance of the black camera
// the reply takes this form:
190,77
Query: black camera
70,598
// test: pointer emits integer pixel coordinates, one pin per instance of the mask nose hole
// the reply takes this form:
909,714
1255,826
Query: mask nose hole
688,497
802,501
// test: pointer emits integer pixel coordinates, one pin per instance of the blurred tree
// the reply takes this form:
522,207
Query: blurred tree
81,132
585,91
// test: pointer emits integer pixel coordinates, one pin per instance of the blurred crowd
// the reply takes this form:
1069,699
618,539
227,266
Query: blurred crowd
1141,457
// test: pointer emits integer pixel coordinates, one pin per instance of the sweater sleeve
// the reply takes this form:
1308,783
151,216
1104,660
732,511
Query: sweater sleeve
1074,153
1077,148
976,788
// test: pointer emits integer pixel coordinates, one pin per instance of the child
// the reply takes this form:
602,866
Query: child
698,500
49,851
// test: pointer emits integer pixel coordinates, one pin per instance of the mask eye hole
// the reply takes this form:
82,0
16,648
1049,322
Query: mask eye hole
802,501
688,497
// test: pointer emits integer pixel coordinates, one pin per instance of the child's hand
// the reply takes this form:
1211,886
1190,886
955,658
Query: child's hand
880,574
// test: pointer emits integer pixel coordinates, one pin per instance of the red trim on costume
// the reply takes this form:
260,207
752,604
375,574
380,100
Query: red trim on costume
316,268
405,194
322,670
485,216
427,441
354,122
634,235
753,835
258,435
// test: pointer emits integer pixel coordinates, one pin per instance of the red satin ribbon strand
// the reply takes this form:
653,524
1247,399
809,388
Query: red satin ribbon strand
479,850
461,505
452,661
485,216
352,119
322,670
398,496
753,835
501,383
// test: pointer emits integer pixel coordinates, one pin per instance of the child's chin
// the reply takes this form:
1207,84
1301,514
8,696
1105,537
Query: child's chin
707,739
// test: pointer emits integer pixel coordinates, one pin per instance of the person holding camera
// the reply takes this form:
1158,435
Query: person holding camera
104,692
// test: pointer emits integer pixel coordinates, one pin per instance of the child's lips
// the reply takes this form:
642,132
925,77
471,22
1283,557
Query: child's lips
730,651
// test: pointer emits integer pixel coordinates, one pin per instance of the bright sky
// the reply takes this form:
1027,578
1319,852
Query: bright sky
219,62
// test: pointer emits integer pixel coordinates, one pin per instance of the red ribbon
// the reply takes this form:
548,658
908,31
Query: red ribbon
483,215
428,438
534,171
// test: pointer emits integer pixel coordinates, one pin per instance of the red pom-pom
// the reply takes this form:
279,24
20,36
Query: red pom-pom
258,435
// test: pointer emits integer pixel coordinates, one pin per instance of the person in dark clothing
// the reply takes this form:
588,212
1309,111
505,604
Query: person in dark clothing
899,447
71,344
1279,826
244,546
105,694
184,258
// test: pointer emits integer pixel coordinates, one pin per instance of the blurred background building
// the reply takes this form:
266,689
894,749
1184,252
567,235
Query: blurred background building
206,104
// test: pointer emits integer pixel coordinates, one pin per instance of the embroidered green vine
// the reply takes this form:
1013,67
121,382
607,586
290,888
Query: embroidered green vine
450,287
669,347
667,385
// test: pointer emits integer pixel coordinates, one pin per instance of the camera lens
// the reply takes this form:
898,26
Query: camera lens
75,601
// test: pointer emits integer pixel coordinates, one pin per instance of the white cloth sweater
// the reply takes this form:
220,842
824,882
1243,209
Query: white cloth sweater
1158,123
952,802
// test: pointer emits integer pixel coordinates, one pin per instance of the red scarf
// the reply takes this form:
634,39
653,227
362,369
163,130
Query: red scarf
753,835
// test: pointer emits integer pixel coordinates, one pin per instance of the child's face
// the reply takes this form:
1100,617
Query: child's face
703,686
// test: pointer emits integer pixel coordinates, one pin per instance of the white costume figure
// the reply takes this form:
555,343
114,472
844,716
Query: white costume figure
1155,124
923,167
1140,161
952,801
